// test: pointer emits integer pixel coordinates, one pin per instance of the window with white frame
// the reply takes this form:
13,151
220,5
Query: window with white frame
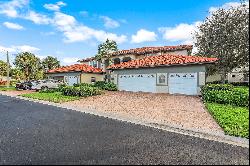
162,78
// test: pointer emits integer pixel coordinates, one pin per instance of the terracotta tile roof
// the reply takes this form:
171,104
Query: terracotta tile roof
144,50
76,67
163,60
87,59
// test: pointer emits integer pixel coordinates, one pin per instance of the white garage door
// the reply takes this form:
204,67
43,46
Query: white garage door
137,82
73,80
183,83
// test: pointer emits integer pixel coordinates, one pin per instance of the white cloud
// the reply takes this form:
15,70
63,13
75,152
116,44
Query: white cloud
25,48
55,7
37,18
74,31
109,22
10,49
143,36
21,48
20,9
70,60
182,32
11,8
13,26
226,6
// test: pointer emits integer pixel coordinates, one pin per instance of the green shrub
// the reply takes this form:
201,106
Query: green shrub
226,94
61,87
81,91
234,120
83,84
48,90
13,82
110,86
89,91
240,83
218,87
100,84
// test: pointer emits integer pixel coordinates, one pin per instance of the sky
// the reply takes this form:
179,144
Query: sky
72,29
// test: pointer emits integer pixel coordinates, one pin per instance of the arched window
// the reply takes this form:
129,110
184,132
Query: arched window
117,61
126,59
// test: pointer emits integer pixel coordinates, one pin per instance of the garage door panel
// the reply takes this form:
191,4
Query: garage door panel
72,80
137,82
183,83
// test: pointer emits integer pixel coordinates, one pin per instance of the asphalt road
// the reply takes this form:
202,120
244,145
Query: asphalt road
32,133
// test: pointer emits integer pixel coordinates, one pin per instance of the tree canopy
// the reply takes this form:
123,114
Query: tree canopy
106,48
3,68
50,63
225,35
29,64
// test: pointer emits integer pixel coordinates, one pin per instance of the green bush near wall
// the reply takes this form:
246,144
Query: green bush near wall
226,94
110,86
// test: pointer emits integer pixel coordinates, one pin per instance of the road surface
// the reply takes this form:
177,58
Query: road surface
33,133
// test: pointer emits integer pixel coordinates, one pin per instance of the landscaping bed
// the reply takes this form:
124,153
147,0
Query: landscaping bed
234,120
56,97
69,93
229,105
4,88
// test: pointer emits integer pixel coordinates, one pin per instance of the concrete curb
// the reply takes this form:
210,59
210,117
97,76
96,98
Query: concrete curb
243,142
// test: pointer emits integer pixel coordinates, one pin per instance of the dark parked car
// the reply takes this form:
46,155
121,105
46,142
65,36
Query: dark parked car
27,85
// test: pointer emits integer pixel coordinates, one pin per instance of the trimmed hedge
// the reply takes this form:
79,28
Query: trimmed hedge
226,94
231,83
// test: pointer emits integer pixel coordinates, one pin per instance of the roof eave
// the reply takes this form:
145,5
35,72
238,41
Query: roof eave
184,64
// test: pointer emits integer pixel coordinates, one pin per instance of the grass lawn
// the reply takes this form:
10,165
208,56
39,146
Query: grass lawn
234,120
56,97
4,88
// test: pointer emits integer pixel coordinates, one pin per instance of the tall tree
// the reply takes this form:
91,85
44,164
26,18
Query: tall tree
50,63
17,74
3,68
225,35
106,48
28,63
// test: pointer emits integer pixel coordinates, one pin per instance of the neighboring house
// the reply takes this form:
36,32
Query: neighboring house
181,74
91,62
237,75
77,73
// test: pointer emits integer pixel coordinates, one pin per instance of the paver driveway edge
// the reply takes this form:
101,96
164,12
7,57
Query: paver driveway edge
243,142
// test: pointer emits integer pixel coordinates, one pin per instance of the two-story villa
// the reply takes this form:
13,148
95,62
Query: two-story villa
166,69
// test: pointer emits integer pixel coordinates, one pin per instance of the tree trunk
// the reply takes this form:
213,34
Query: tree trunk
27,74
224,77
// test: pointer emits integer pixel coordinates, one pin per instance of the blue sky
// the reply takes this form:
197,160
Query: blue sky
71,30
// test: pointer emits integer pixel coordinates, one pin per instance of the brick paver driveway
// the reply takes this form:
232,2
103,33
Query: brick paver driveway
162,109
33,133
